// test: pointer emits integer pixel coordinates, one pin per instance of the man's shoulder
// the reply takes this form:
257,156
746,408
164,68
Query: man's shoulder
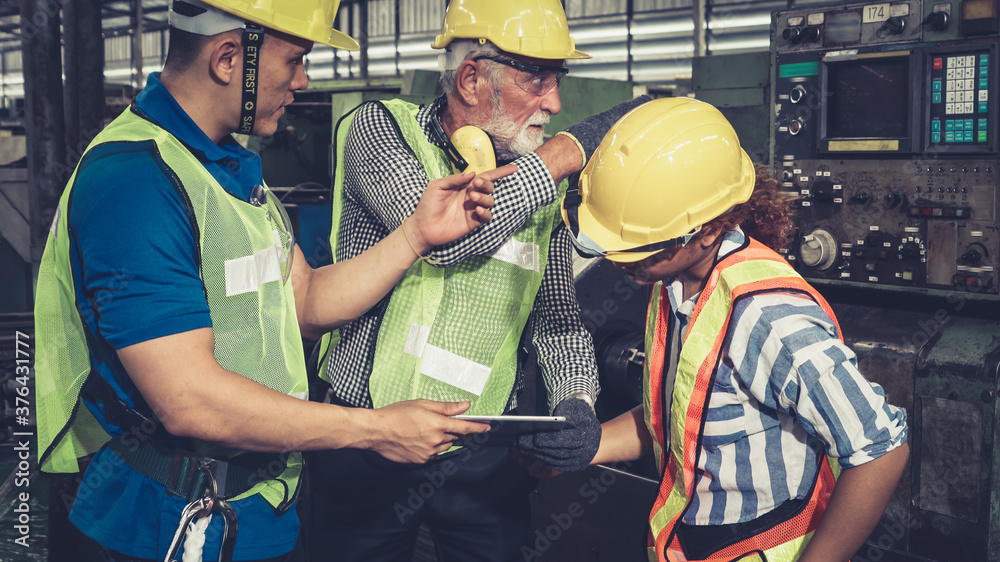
390,112
124,172
384,124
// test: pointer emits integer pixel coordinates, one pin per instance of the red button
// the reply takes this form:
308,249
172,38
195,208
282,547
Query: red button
938,64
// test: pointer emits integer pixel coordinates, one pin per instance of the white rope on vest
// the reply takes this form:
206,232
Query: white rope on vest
194,539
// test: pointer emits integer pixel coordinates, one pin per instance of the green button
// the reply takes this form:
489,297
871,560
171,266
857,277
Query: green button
936,124
936,86
984,106
949,137
981,136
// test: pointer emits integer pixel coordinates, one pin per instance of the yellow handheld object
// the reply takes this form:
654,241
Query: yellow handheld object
476,147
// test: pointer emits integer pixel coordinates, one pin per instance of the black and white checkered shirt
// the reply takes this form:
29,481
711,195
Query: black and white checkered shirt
383,182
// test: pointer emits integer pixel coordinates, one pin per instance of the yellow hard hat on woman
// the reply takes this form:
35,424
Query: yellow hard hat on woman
532,28
662,171
308,19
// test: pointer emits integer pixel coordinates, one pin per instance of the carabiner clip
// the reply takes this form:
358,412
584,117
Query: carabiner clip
200,507
192,511
230,527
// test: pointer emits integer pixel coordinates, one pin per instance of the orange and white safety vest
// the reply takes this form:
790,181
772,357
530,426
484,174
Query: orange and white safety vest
753,269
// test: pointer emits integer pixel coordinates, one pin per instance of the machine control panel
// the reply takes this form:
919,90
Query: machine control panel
897,223
848,26
889,144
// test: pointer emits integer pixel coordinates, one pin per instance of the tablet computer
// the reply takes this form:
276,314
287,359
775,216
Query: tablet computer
518,424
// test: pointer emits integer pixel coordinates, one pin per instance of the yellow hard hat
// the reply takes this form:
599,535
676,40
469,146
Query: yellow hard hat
308,19
663,170
531,28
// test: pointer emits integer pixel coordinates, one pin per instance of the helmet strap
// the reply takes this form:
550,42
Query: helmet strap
253,38
444,143
571,202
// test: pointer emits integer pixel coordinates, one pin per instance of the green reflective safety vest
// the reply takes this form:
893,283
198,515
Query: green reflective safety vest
253,313
754,268
452,333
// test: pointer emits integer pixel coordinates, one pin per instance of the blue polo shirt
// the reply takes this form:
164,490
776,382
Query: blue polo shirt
135,267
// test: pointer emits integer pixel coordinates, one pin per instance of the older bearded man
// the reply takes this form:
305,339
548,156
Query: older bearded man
453,326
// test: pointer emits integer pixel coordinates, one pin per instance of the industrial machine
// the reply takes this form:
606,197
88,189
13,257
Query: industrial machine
885,130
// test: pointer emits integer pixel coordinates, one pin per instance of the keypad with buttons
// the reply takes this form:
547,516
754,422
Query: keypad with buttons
960,99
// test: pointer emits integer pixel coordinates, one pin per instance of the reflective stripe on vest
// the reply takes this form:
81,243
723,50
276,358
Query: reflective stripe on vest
452,333
237,266
752,269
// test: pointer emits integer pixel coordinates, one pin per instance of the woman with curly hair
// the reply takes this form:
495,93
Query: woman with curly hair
752,402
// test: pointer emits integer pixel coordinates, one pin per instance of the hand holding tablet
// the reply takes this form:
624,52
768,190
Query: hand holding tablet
518,424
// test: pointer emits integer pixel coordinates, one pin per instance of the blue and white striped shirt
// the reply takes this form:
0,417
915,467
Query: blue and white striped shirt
787,389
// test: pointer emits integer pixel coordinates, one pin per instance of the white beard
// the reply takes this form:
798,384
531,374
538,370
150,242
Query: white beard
511,140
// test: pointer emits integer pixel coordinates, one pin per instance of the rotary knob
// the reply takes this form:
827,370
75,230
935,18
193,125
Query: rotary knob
912,249
792,35
818,249
892,199
937,21
893,26
811,33
822,191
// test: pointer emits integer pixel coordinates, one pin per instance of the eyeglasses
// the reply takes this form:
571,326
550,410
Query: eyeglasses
656,247
588,248
532,78
284,239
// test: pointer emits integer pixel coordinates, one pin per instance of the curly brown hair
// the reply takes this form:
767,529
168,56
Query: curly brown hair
766,217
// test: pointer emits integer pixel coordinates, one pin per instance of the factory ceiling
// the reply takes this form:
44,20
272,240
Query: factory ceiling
116,15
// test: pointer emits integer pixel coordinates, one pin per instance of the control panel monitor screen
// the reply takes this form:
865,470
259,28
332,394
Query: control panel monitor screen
868,99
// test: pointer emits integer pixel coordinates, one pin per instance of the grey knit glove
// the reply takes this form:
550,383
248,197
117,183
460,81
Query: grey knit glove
573,446
591,130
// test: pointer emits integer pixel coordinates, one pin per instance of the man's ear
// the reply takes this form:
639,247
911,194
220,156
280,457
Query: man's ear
226,58
471,83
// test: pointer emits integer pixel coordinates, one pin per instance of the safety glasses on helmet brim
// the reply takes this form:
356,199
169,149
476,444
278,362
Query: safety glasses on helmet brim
532,78
588,248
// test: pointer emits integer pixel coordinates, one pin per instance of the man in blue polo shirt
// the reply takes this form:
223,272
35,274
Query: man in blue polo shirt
172,300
